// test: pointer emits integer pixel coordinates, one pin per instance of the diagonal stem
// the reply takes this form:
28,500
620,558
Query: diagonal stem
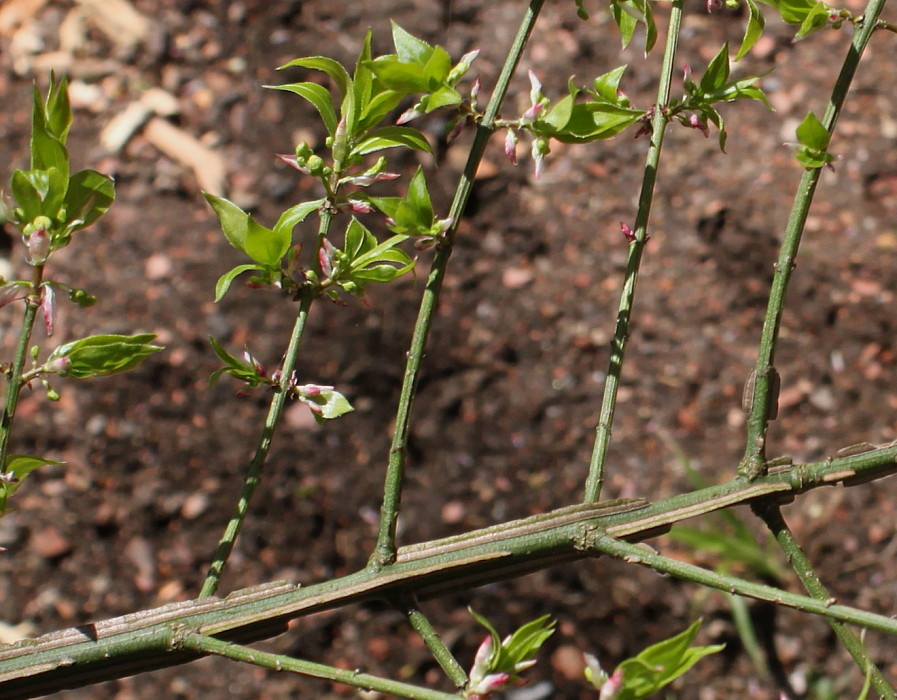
385,550
444,657
771,514
659,122
764,379
194,641
275,410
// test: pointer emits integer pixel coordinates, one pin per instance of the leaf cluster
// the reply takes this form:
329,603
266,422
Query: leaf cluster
654,667
47,196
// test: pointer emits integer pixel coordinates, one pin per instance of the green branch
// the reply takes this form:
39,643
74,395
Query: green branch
636,247
763,393
201,643
771,514
254,473
140,642
385,550
15,381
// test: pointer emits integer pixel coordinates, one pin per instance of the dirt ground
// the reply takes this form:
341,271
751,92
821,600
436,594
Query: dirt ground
514,373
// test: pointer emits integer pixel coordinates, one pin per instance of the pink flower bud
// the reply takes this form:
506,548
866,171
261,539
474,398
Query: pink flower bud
408,115
38,247
48,309
59,365
611,688
627,232
532,113
292,162
325,257
475,90
359,206
511,146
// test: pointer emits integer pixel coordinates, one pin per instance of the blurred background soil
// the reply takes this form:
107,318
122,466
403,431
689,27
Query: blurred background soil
168,99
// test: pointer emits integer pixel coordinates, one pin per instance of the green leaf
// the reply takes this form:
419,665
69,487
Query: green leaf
607,86
101,355
517,651
391,137
318,95
262,244
326,404
249,372
225,281
717,72
812,133
401,77
756,24
443,96
817,18
627,14
57,109
297,214
409,48
332,68
662,663
89,196
16,470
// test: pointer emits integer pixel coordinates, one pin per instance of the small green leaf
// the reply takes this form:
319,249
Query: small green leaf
225,281
607,86
817,18
717,72
325,403
89,196
264,245
297,214
391,137
249,372
812,133
662,663
753,31
399,76
332,68
409,48
318,95
101,355
15,471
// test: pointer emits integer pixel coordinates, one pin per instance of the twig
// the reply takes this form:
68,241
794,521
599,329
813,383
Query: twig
764,377
771,514
636,247
204,644
385,550
254,473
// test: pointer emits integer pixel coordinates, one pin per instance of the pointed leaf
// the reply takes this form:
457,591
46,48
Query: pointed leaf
332,68
318,95
753,31
391,137
297,214
225,281
89,196
717,72
409,48
812,133
101,355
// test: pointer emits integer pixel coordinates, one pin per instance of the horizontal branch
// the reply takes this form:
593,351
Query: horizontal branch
147,640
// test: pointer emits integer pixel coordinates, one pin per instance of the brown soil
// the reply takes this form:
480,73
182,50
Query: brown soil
515,370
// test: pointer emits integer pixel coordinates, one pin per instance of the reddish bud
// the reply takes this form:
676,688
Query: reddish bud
59,365
325,257
359,206
39,247
511,146
627,232
48,309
